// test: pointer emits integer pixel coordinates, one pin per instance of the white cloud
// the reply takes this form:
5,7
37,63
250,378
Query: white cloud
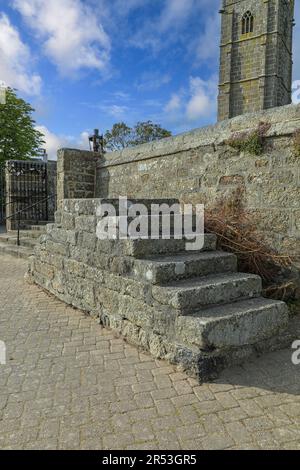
175,12
193,105
202,99
168,26
55,141
174,104
15,60
114,110
150,81
83,141
72,36
207,44
152,33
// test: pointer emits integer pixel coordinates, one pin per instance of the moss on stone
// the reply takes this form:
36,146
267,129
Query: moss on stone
251,142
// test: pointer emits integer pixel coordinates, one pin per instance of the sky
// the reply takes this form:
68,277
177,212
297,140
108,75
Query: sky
86,64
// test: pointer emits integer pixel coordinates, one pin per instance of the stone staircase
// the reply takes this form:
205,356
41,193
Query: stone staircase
29,237
220,316
192,308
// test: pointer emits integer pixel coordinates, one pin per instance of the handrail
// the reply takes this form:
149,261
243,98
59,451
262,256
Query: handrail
18,214
30,207
8,203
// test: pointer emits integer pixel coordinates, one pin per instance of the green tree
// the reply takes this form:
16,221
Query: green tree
119,137
122,136
149,132
19,140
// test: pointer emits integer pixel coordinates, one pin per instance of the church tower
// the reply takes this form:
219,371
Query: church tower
256,56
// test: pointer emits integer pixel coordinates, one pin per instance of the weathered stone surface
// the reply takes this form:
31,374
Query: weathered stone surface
146,248
191,294
183,266
242,323
157,295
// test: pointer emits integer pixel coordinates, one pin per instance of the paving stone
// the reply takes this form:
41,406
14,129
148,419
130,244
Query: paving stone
188,414
194,431
217,441
203,393
251,407
116,397
238,432
258,423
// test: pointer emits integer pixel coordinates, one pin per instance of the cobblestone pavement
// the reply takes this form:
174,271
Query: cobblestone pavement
69,384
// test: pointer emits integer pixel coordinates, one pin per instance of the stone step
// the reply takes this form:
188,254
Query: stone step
237,324
145,248
38,222
24,241
39,228
26,233
189,295
152,225
16,251
183,266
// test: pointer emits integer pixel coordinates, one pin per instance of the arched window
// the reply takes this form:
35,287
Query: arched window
247,23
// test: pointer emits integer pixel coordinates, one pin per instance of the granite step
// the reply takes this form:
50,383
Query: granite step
16,251
141,249
187,265
188,295
233,325
24,241
38,227
146,228
39,222
26,233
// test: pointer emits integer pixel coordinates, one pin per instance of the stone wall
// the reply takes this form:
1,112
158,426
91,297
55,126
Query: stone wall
51,181
76,174
200,167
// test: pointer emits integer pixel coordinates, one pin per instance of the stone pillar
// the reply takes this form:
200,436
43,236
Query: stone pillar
51,188
76,174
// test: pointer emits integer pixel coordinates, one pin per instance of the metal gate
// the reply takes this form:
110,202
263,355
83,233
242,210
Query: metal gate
27,191
2,193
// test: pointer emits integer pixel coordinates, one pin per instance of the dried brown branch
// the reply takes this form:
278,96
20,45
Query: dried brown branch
237,233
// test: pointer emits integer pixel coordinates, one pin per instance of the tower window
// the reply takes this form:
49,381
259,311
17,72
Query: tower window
247,23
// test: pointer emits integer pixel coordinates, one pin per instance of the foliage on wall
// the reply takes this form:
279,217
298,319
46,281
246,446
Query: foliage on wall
251,142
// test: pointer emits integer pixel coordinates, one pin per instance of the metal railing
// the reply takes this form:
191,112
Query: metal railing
17,215
23,182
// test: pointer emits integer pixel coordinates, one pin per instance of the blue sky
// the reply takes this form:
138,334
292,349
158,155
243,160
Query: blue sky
90,63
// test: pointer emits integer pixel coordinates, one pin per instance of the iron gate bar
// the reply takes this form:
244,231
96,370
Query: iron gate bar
2,193
29,190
